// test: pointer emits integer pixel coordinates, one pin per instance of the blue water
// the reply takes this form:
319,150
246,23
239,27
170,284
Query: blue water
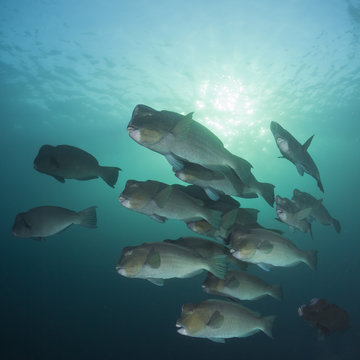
71,72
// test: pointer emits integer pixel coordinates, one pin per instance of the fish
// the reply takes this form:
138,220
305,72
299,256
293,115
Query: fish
43,221
289,213
327,318
162,202
267,248
207,249
318,211
69,162
218,320
298,154
214,183
240,285
181,139
158,261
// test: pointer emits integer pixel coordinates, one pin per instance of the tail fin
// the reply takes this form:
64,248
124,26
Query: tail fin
229,219
109,174
268,322
239,263
87,217
336,225
267,192
311,259
218,266
276,292
213,217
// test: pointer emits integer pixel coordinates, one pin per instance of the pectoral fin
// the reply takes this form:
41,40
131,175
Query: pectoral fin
232,283
158,218
158,282
217,340
153,259
175,162
300,169
265,247
303,214
216,320
212,194
59,178
163,196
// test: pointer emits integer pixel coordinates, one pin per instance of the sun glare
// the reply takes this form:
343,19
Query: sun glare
225,106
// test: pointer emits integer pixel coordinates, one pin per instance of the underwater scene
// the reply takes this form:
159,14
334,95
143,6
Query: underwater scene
180,179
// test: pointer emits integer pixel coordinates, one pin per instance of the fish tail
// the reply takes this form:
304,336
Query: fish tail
87,217
266,190
268,322
311,259
276,292
336,225
109,174
239,263
213,217
228,219
218,266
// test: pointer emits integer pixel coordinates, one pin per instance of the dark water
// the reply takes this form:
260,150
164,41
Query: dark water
72,74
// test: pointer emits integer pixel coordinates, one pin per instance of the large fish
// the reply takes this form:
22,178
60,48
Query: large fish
207,249
215,183
44,221
267,248
69,162
179,138
162,202
289,213
158,261
318,211
240,286
218,320
298,154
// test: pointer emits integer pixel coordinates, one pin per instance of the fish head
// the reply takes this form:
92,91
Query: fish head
201,227
242,246
212,283
131,261
148,126
280,136
192,320
22,226
46,160
135,195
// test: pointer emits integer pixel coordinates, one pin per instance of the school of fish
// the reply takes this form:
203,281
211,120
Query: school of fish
207,207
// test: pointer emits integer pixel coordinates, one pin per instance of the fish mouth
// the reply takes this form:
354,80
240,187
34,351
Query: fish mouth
300,310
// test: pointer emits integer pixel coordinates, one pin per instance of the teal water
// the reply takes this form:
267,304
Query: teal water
72,72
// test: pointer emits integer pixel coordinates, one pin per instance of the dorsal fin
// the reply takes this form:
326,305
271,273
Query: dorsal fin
307,142
182,128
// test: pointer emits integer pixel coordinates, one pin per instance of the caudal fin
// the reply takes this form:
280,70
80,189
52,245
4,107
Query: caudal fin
268,322
109,174
87,217
276,292
218,266
336,225
213,217
311,259
267,192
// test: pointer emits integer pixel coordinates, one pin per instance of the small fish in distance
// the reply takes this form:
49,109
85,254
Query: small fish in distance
44,221
326,317
318,211
69,162
298,154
